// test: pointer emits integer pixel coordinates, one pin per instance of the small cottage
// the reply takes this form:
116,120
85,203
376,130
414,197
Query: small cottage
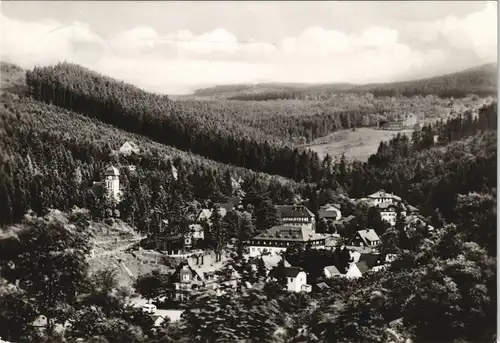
330,212
331,271
296,280
366,238
129,148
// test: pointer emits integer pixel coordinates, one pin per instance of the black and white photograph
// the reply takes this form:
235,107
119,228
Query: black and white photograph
248,171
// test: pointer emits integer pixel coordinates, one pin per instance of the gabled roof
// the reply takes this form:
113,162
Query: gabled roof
368,235
294,211
207,213
370,259
271,261
330,207
382,194
322,286
412,208
112,171
333,270
131,144
363,267
292,271
289,233
175,275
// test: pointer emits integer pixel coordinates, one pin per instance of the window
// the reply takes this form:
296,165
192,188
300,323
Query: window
186,277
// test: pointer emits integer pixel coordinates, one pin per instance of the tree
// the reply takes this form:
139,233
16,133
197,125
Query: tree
266,216
231,317
476,215
17,314
48,257
153,285
374,221
217,230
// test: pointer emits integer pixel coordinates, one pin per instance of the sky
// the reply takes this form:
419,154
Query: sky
176,47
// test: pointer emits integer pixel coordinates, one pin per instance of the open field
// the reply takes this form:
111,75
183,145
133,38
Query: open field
358,144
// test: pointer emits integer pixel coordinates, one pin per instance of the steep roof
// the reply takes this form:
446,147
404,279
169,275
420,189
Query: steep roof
112,171
131,144
289,233
272,260
207,213
294,211
333,270
292,271
368,235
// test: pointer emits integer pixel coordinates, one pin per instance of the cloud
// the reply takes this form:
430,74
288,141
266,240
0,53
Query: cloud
475,32
179,61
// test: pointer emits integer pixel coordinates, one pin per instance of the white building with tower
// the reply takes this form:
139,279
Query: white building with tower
112,183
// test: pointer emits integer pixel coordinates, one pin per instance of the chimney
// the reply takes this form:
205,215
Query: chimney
202,259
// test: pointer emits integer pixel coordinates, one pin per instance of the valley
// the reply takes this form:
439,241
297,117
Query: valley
168,211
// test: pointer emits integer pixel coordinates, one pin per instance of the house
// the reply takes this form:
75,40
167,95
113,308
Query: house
365,263
175,173
186,279
330,212
205,214
296,280
272,260
296,215
353,272
128,148
195,234
111,184
321,287
172,244
366,238
157,320
412,210
230,204
331,271
279,238
331,241
389,258
412,221
389,212
383,197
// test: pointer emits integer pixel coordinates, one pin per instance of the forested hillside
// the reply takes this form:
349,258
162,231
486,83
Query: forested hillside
481,81
155,116
51,156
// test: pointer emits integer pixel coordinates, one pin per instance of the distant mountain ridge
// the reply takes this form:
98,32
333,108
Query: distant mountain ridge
480,80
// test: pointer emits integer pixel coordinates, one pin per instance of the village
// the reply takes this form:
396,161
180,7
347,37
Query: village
193,266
